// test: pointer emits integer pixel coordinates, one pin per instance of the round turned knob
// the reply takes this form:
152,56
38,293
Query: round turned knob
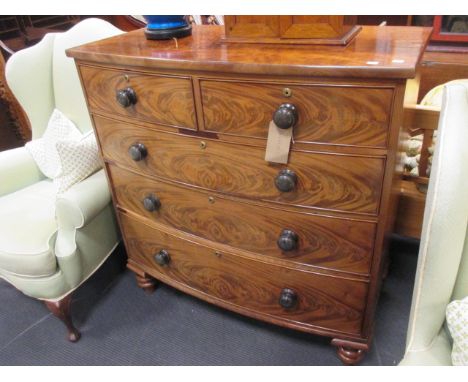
151,203
162,257
288,298
288,240
126,97
285,116
137,151
286,180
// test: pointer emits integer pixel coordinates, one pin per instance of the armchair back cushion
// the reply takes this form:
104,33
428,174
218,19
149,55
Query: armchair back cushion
42,77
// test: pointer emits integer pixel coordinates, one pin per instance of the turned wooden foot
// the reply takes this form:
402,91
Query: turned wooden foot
350,353
146,282
61,309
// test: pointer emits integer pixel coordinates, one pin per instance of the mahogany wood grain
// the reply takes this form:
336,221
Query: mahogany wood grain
388,210
250,141
327,114
323,241
317,26
165,100
325,181
252,26
299,29
204,51
221,215
251,286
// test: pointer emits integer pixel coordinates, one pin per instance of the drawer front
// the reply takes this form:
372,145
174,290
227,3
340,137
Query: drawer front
248,286
334,243
326,114
325,181
159,99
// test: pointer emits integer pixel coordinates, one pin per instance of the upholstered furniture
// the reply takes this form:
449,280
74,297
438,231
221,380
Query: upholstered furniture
183,127
442,273
51,243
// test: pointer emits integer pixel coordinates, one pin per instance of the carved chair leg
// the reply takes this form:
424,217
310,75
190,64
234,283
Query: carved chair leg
146,282
61,309
350,353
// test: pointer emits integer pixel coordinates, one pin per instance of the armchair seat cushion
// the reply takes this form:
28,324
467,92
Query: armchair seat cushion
27,230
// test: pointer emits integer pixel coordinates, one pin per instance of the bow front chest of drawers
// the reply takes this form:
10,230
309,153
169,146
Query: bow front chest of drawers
182,128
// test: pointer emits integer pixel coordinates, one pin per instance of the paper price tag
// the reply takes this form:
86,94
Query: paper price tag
278,143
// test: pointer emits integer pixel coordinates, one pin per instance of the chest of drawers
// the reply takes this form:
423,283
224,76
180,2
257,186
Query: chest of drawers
182,131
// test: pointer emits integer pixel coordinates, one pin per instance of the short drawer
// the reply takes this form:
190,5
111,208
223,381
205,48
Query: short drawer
334,243
158,99
340,115
255,288
324,181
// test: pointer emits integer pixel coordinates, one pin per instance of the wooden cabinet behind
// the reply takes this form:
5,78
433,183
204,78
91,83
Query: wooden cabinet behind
183,130
310,29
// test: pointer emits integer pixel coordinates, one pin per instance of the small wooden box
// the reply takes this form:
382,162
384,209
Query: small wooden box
327,30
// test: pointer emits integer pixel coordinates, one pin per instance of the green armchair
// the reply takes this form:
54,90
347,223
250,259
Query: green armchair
442,271
51,243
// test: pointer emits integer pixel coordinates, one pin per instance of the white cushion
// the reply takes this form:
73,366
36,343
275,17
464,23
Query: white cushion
78,160
457,320
64,154
44,151
434,96
27,225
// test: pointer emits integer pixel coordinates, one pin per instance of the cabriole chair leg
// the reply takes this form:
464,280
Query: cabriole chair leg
61,309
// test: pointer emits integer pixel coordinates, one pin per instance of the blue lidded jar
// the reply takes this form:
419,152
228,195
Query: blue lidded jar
162,27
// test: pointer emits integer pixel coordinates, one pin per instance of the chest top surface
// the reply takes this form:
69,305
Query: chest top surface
383,52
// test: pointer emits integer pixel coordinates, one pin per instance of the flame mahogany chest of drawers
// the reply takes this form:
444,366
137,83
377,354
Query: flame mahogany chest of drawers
182,128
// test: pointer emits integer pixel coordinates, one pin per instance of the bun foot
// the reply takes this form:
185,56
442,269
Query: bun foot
350,353
61,310
147,283
144,280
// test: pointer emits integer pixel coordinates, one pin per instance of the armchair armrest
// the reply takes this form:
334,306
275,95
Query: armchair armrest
82,202
17,170
75,209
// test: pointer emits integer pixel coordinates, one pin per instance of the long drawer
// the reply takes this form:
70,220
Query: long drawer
333,243
325,181
247,286
344,115
158,99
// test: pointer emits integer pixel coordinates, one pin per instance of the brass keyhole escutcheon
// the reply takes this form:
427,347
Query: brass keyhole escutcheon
218,254
203,145
126,77
211,199
287,92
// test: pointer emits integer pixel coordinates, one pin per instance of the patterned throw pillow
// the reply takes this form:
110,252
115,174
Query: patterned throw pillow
64,154
457,320
78,160
43,150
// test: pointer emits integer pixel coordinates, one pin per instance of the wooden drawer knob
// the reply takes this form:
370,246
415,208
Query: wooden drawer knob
285,116
137,151
162,258
286,180
126,97
288,240
151,203
288,298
